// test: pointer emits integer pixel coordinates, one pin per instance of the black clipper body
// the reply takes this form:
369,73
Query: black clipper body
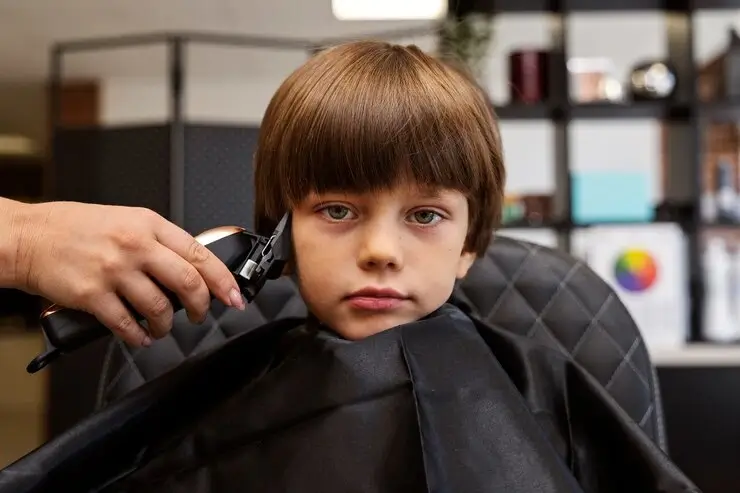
253,259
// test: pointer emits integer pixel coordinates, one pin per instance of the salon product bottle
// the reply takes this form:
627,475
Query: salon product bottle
708,205
719,324
725,194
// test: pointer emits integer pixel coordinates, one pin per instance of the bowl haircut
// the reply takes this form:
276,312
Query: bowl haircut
370,115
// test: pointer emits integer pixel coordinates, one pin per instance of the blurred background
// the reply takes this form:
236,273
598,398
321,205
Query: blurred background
618,119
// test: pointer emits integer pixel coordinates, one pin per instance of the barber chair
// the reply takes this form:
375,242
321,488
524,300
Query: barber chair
525,288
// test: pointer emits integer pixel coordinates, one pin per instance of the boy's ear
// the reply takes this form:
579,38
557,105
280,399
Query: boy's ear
466,261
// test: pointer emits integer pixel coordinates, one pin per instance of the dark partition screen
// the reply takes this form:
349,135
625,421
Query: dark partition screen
218,176
121,166
130,166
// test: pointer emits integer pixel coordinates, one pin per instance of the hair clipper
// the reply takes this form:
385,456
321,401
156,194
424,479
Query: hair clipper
252,259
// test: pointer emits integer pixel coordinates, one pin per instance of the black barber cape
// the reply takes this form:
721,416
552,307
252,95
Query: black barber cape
443,405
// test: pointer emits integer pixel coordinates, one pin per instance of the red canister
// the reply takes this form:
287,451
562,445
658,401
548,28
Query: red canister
528,76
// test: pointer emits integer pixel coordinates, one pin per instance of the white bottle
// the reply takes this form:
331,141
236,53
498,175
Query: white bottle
719,323
726,196
709,206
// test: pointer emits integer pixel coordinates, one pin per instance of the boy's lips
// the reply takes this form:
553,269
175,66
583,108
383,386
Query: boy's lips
376,299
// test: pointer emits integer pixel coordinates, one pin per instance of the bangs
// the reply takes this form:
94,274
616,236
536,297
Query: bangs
374,137
375,122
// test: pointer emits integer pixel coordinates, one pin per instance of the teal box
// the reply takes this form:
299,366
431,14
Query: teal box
604,196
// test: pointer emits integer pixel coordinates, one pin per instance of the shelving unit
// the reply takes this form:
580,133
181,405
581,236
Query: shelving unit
684,117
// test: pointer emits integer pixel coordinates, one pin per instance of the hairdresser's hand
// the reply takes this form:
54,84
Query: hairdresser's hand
88,257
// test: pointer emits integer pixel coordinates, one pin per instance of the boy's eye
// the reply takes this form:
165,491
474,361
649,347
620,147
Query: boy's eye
426,217
337,212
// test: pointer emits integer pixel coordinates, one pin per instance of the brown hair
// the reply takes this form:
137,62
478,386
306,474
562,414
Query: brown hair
368,115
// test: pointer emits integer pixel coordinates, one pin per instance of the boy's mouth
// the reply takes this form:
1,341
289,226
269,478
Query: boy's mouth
376,299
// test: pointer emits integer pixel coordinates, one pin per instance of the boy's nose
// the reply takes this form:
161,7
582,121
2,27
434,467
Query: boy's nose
380,249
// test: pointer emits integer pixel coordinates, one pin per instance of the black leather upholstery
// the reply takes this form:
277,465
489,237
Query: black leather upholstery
525,288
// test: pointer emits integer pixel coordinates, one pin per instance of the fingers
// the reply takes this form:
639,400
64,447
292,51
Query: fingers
113,314
219,280
175,274
149,301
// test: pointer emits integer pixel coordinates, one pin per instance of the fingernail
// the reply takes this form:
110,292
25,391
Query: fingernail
236,299
147,341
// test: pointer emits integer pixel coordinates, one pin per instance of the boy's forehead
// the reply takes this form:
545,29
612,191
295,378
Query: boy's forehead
406,188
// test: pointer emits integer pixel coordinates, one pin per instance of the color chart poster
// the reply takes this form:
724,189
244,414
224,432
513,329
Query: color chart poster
646,267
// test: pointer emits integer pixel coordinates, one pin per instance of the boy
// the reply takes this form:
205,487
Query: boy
391,166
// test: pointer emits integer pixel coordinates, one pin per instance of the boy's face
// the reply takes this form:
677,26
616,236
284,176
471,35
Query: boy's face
368,262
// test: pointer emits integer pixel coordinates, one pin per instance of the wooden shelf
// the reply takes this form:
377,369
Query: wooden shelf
660,110
499,6
625,5
716,4
720,111
519,111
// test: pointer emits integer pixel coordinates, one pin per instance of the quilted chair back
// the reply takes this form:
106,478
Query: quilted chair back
525,288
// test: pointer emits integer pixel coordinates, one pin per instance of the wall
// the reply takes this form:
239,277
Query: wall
135,100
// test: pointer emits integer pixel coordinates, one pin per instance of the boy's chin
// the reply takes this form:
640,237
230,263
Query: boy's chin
359,328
